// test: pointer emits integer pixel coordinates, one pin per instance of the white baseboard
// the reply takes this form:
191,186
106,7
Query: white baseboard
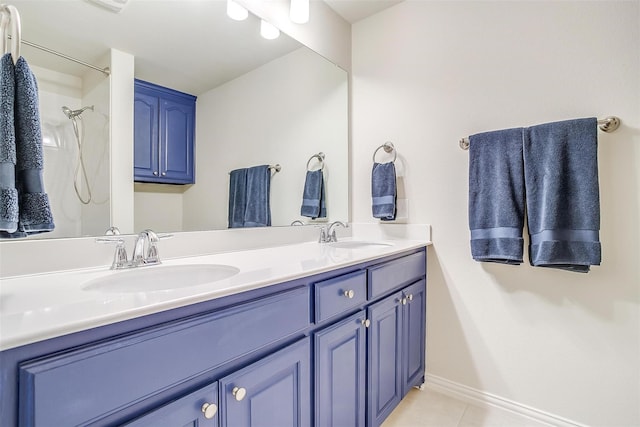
484,399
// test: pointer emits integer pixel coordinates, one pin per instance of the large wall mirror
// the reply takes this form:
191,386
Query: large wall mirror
259,102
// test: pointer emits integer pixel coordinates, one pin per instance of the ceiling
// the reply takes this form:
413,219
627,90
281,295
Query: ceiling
189,45
355,10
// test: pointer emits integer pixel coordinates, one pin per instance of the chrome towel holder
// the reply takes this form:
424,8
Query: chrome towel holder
320,156
608,124
388,147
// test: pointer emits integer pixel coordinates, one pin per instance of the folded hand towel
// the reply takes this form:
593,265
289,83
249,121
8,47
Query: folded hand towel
8,192
563,201
258,212
313,199
237,197
35,211
383,191
496,196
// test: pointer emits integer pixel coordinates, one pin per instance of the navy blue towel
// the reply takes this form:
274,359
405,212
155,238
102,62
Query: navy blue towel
563,201
258,211
249,194
313,199
237,197
8,191
496,196
383,191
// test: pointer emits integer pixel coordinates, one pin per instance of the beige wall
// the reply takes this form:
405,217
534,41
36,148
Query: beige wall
425,74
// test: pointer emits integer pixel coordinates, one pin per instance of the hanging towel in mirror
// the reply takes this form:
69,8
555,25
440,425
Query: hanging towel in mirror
35,211
313,199
563,200
8,192
237,197
383,191
496,196
258,211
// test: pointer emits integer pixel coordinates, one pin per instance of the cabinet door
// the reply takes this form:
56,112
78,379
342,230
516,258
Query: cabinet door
177,123
273,392
385,358
198,409
145,159
414,335
340,363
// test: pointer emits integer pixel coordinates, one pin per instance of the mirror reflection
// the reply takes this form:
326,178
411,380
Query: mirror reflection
259,102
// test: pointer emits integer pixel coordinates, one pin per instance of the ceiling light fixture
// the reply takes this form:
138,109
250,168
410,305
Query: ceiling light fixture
268,31
299,11
236,12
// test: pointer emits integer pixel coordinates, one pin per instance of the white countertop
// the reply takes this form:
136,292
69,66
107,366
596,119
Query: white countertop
47,305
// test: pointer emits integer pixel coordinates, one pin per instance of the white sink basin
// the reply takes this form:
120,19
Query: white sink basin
358,244
161,278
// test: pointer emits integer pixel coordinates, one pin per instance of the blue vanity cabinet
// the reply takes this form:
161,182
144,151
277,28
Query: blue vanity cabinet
396,347
164,129
385,358
340,364
197,409
274,391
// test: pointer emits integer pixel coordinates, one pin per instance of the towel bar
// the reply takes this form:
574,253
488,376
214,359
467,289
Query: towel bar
388,147
608,124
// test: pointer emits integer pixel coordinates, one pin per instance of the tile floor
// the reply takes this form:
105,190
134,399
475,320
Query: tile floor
428,408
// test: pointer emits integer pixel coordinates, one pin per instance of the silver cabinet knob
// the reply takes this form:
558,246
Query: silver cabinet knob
164,174
410,297
366,322
350,293
155,173
239,393
209,410
404,301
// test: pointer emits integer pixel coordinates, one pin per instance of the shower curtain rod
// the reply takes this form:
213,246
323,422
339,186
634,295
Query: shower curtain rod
104,71
608,124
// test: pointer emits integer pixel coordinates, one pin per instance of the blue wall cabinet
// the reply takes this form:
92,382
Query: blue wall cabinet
164,128
273,392
340,364
414,335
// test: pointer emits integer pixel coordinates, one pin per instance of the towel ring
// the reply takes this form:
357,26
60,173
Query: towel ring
388,148
320,157
16,31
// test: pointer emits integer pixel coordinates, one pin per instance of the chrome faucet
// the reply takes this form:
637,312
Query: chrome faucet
145,250
328,233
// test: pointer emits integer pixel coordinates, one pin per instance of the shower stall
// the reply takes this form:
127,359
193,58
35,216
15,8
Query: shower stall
75,127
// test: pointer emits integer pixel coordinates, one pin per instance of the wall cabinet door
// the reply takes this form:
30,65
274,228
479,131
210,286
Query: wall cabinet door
273,392
385,358
164,128
198,409
340,365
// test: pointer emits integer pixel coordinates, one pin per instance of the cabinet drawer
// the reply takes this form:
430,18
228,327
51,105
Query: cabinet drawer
337,295
89,383
392,275
197,408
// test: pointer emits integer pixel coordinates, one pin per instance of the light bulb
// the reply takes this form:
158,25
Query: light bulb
236,12
299,11
268,31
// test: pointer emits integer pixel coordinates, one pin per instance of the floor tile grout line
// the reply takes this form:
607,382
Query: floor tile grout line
462,415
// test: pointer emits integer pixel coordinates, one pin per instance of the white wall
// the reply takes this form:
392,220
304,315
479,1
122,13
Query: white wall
281,113
425,74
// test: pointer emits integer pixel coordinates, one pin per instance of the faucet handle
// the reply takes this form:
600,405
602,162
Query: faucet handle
120,259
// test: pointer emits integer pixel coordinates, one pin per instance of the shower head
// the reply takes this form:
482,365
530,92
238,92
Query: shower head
75,113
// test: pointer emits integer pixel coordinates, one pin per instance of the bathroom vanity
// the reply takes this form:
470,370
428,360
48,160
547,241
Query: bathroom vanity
333,339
